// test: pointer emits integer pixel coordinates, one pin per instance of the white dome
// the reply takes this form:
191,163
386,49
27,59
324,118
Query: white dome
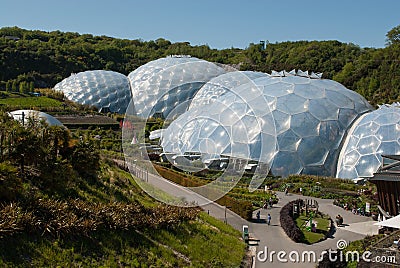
25,115
307,117
372,135
219,85
162,85
102,89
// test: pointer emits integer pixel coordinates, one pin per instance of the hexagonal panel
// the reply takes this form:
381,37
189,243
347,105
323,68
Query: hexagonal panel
304,124
376,133
308,125
367,145
292,104
103,89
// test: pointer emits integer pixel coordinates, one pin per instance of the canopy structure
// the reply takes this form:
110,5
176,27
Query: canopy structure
392,222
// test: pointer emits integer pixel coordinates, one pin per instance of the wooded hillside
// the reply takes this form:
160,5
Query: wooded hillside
46,58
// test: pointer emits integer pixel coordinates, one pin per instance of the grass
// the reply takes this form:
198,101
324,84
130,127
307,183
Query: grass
30,102
322,228
203,242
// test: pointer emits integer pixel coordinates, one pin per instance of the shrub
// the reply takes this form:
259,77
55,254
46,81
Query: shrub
288,224
10,183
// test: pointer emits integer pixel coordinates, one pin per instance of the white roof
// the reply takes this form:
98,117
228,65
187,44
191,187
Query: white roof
392,222
36,115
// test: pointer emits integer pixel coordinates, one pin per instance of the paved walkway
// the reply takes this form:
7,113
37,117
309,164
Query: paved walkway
272,237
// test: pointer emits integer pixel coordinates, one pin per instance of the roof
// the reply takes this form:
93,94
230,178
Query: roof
389,172
392,222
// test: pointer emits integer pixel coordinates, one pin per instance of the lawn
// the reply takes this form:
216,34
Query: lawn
30,102
322,227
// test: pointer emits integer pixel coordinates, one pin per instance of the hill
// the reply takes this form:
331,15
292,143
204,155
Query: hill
45,58
64,203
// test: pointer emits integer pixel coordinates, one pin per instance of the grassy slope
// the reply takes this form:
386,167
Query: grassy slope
204,242
30,102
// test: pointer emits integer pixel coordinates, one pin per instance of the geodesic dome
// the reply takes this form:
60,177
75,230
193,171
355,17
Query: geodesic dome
26,115
162,85
219,85
372,135
309,118
231,125
102,89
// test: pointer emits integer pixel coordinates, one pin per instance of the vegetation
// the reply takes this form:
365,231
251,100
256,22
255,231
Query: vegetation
322,223
239,199
38,59
345,193
63,204
30,102
288,223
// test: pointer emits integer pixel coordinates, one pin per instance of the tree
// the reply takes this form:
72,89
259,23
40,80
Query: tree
22,87
393,36
8,86
14,86
86,158
31,86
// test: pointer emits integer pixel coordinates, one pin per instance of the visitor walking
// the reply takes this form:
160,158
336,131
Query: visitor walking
269,219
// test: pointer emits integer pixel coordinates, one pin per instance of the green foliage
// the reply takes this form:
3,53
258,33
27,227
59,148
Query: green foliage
199,243
85,158
10,183
393,36
323,224
41,59
30,102
60,205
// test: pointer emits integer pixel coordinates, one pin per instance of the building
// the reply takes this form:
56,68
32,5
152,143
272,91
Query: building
387,181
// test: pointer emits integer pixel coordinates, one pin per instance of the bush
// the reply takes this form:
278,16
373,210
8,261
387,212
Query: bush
241,207
288,224
10,183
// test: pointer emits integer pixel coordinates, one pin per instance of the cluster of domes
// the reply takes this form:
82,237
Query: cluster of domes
295,122
160,86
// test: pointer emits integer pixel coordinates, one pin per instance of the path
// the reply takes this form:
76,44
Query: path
273,236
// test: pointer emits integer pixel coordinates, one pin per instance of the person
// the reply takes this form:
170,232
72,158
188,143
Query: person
339,220
258,215
301,190
269,219
286,191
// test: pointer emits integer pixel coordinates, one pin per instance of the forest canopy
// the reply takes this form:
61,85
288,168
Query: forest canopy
41,59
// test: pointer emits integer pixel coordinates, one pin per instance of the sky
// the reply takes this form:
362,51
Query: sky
218,23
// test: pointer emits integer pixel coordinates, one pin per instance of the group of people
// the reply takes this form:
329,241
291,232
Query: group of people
354,209
258,215
268,203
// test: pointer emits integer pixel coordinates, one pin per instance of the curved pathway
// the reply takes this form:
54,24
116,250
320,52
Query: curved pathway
272,237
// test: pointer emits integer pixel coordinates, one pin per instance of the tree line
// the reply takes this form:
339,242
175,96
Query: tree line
45,58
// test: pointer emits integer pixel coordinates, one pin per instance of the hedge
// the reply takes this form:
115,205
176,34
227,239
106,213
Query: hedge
288,224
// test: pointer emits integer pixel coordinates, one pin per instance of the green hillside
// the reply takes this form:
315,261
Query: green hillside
63,203
41,59
30,102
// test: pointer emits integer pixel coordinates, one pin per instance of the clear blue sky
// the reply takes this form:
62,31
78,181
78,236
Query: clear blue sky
217,23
